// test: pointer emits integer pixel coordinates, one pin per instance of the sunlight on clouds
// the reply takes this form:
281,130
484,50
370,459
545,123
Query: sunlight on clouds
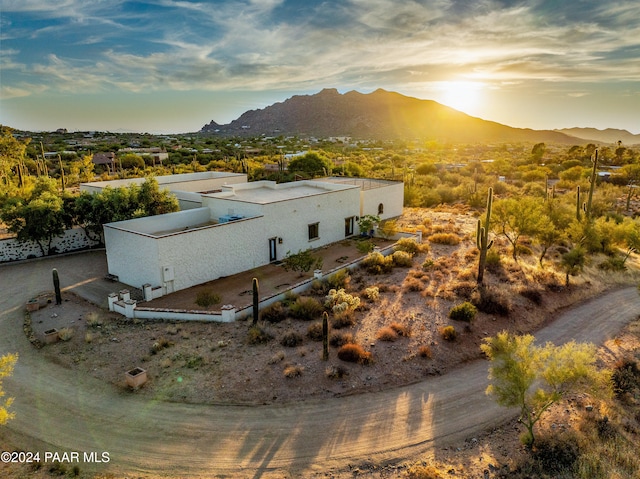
464,96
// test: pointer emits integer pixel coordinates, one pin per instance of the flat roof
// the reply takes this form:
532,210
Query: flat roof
363,183
265,192
171,181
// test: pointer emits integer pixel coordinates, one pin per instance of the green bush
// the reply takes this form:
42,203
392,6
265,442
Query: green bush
377,263
491,301
450,239
463,312
364,246
402,259
206,299
409,245
343,319
306,308
340,339
354,353
449,333
613,263
339,279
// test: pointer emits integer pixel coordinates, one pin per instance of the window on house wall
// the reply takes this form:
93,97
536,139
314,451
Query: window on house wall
380,209
314,231
348,225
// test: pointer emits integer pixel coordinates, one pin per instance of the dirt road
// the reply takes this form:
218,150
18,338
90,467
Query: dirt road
59,410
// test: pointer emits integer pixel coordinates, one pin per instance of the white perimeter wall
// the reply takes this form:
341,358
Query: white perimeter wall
392,197
72,240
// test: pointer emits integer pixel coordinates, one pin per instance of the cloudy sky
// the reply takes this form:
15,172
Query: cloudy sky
173,65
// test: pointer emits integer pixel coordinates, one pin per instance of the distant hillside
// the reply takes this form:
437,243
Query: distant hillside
378,115
609,135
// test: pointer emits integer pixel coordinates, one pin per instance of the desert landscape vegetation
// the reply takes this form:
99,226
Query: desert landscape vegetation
513,234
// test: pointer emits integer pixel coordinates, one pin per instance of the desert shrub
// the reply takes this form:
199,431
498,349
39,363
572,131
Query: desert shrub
493,261
276,358
450,239
387,334
410,245
377,263
532,294
449,333
314,332
291,339
306,308
555,455
94,320
523,250
339,279
343,319
428,264
491,301
365,246
289,298
625,377
293,371
340,339
206,299
401,329
65,334
274,313
425,352
354,353
335,372
193,361
338,301
413,284
88,337
402,259
463,312
613,263
419,471
160,344
463,289
258,334
372,293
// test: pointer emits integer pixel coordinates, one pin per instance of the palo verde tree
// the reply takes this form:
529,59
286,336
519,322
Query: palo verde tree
534,378
7,362
482,237
514,218
311,164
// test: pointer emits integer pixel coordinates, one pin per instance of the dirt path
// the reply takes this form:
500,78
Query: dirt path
60,410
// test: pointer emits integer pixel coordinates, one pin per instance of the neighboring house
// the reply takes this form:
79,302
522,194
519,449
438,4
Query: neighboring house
244,226
105,159
187,187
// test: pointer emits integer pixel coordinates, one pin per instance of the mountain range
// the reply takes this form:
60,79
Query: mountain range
384,115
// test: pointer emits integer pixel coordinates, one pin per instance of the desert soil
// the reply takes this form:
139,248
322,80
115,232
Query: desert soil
213,364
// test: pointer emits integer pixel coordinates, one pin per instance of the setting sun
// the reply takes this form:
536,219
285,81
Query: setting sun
461,95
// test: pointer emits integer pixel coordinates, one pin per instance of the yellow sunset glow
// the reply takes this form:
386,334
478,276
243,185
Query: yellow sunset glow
461,95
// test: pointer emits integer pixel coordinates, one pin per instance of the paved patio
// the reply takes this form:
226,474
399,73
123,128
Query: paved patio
272,279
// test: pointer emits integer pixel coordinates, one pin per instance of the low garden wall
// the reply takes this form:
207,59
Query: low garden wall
72,240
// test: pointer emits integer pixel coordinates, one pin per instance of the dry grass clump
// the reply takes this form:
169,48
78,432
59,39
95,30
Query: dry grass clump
306,308
425,352
276,358
386,334
314,332
401,329
160,344
65,334
206,299
340,339
463,289
274,313
413,284
450,239
354,353
335,372
293,371
88,337
94,319
448,333
259,334
411,246
492,301
532,294
402,259
421,471
377,263
291,339
343,319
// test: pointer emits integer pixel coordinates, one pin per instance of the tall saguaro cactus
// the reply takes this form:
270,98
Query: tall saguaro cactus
56,286
592,180
578,206
325,336
256,300
482,237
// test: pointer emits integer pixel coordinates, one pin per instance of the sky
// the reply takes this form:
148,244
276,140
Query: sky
171,66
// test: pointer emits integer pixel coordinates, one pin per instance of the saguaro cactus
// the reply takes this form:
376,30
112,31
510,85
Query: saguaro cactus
592,180
578,206
325,336
256,300
56,286
482,237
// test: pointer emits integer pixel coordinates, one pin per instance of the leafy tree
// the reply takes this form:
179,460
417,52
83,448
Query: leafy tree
573,262
155,201
533,378
514,218
301,261
538,151
312,164
7,362
12,157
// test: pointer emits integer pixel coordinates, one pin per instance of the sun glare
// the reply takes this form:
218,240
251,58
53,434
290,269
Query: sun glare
465,96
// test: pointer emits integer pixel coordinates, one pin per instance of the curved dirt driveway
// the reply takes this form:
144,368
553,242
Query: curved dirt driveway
58,410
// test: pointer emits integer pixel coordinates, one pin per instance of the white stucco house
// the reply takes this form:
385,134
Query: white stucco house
243,226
